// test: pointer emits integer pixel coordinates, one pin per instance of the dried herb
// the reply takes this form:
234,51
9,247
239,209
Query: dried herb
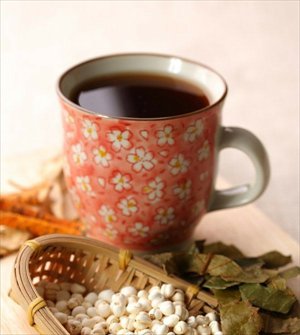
268,298
220,248
245,287
237,317
223,267
218,283
240,318
276,325
274,259
290,273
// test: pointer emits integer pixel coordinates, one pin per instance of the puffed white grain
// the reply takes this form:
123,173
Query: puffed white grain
91,297
78,310
73,327
77,288
86,331
167,307
167,290
171,320
106,295
128,291
180,328
61,317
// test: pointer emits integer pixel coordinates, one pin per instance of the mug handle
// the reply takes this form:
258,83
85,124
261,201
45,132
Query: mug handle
245,141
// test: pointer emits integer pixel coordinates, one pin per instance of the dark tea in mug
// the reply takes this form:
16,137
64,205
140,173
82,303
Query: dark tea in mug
139,96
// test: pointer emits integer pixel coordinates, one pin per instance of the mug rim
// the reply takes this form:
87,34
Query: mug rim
83,110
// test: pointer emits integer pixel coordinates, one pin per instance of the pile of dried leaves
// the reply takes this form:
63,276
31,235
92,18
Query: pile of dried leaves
252,292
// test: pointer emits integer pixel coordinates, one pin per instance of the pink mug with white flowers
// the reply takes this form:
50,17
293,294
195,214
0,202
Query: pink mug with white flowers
143,183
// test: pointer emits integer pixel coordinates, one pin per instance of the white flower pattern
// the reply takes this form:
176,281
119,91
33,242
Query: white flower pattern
110,232
107,213
101,156
194,131
154,189
69,118
165,216
121,182
141,160
139,229
183,189
178,165
204,151
83,182
198,207
119,139
89,130
165,136
79,156
128,206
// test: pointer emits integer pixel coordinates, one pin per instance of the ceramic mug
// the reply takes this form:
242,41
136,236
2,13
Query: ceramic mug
144,183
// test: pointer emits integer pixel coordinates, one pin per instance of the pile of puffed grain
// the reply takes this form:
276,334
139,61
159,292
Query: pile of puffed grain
159,311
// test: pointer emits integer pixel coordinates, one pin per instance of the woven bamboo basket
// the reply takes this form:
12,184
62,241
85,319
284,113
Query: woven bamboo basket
66,258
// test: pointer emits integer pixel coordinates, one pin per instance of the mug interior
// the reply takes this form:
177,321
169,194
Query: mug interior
210,82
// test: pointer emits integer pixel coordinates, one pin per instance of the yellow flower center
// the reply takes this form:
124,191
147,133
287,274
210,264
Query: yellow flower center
130,204
177,164
102,152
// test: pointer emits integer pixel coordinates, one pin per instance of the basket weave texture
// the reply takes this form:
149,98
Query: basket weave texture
66,258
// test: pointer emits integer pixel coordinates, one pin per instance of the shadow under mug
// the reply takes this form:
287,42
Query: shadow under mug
144,183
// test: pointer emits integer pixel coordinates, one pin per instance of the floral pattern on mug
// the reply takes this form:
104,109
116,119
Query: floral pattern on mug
108,214
79,156
154,189
89,129
121,181
165,136
139,229
141,160
128,206
119,139
178,164
101,156
193,131
165,216
139,180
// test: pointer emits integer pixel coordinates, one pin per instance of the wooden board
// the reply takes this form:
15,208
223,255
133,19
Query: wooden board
246,227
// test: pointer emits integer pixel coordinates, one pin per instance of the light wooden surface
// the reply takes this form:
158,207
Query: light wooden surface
246,227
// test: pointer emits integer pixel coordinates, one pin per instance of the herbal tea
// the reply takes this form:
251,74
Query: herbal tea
139,96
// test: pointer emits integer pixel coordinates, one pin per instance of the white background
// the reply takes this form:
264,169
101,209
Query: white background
253,44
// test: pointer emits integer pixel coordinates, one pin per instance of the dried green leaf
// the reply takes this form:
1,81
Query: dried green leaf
249,262
278,283
268,298
274,259
159,259
290,273
227,296
276,325
220,248
237,317
224,267
218,283
240,318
